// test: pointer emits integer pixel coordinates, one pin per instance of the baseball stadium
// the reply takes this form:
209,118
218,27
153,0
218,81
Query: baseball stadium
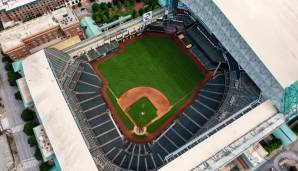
183,89
145,90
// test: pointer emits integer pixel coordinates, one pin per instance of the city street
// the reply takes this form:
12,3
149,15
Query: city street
290,152
13,108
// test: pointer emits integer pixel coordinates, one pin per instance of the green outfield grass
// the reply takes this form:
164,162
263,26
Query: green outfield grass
155,62
143,105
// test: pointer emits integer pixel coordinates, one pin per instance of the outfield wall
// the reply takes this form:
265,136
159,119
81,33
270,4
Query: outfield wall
117,33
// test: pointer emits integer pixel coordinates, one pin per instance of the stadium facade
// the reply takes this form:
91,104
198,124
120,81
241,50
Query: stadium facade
251,42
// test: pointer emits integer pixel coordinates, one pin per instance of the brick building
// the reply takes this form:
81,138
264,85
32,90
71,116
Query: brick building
24,10
39,33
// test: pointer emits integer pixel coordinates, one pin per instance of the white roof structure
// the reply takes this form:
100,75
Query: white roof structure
65,17
55,115
12,38
12,4
22,85
43,142
201,152
270,29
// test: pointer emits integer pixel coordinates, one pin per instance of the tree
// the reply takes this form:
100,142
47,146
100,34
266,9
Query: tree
105,18
272,145
103,6
45,166
27,115
95,7
6,58
141,11
37,154
115,2
8,67
119,4
147,8
97,17
126,3
133,2
28,128
32,141
12,77
18,96
134,14
113,16
138,0
109,5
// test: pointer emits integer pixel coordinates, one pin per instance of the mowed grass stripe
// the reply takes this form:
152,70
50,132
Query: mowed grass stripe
155,62
126,121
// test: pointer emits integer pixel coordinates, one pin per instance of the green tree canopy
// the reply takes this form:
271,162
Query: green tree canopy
109,5
141,11
103,6
8,67
32,141
27,115
18,96
12,77
95,7
45,166
28,128
37,154
134,14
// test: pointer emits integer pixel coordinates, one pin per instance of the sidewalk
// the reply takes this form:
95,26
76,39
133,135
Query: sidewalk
13,108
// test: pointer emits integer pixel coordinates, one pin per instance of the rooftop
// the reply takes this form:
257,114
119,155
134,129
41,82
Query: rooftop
91,27
12,38
12,4
270,29
65,17
222,138
68,145
22,85
43,142
67,43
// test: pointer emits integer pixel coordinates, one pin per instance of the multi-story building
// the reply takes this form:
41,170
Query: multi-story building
23,10
41,32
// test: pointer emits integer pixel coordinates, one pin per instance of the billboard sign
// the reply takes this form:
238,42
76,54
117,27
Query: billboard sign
147,16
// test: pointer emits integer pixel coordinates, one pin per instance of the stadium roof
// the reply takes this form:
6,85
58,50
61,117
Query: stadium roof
270,29
223,138
55,115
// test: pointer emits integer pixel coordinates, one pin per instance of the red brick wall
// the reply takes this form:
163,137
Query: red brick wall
32,10
44,37
74,30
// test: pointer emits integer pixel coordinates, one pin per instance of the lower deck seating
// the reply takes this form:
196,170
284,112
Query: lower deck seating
204,44
203,58
133,156
100,51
